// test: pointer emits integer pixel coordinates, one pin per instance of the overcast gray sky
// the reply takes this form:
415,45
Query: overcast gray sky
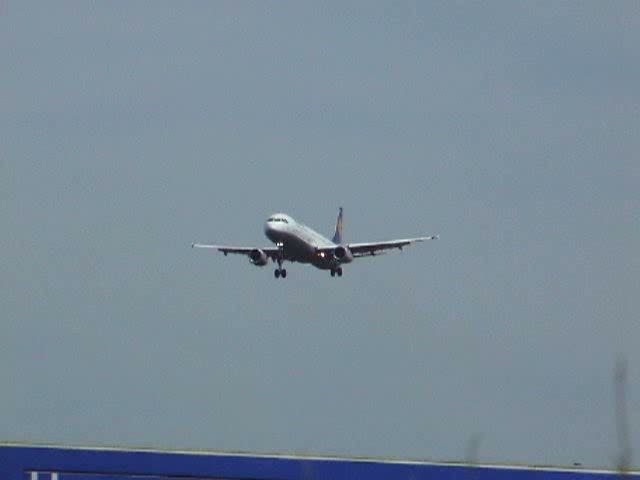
130,129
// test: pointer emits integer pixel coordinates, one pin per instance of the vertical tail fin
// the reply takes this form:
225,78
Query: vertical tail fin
337,236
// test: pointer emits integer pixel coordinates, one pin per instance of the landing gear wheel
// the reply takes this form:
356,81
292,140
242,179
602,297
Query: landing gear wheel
339,270
333,272
283,272
276,273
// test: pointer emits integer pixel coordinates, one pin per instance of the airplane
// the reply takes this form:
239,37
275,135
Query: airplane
296,242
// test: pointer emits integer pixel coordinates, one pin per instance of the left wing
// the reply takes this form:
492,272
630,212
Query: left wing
271,252
375,248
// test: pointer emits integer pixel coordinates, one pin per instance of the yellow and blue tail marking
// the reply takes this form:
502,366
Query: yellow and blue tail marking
337,237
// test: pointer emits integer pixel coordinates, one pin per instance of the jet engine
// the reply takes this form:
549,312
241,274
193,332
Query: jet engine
258,257
342,254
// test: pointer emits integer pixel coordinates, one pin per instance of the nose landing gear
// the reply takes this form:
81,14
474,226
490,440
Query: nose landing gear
280,272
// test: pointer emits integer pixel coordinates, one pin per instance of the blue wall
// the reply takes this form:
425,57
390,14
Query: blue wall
57,463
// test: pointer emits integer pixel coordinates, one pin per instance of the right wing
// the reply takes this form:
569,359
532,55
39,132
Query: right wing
376,248
271,252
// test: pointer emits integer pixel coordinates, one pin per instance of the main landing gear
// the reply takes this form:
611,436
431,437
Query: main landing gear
280,272
336,270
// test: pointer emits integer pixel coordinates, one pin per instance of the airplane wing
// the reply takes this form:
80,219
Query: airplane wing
377,248
271,252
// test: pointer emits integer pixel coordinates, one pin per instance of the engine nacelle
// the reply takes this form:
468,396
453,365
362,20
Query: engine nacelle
258,257
342,254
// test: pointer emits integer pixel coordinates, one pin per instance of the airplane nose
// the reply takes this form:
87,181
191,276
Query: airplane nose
268,228
270,231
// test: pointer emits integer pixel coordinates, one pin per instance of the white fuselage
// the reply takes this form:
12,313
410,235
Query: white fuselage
299,242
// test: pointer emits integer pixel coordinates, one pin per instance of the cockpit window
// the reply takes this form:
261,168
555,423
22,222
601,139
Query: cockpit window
277,219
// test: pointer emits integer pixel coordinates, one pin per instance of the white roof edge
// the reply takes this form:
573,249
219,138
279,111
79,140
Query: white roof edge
285,456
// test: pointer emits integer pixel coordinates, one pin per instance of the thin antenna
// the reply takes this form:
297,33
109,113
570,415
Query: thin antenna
622,421
471,456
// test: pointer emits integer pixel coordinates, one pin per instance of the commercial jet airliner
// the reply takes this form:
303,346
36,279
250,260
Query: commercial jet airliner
296,242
